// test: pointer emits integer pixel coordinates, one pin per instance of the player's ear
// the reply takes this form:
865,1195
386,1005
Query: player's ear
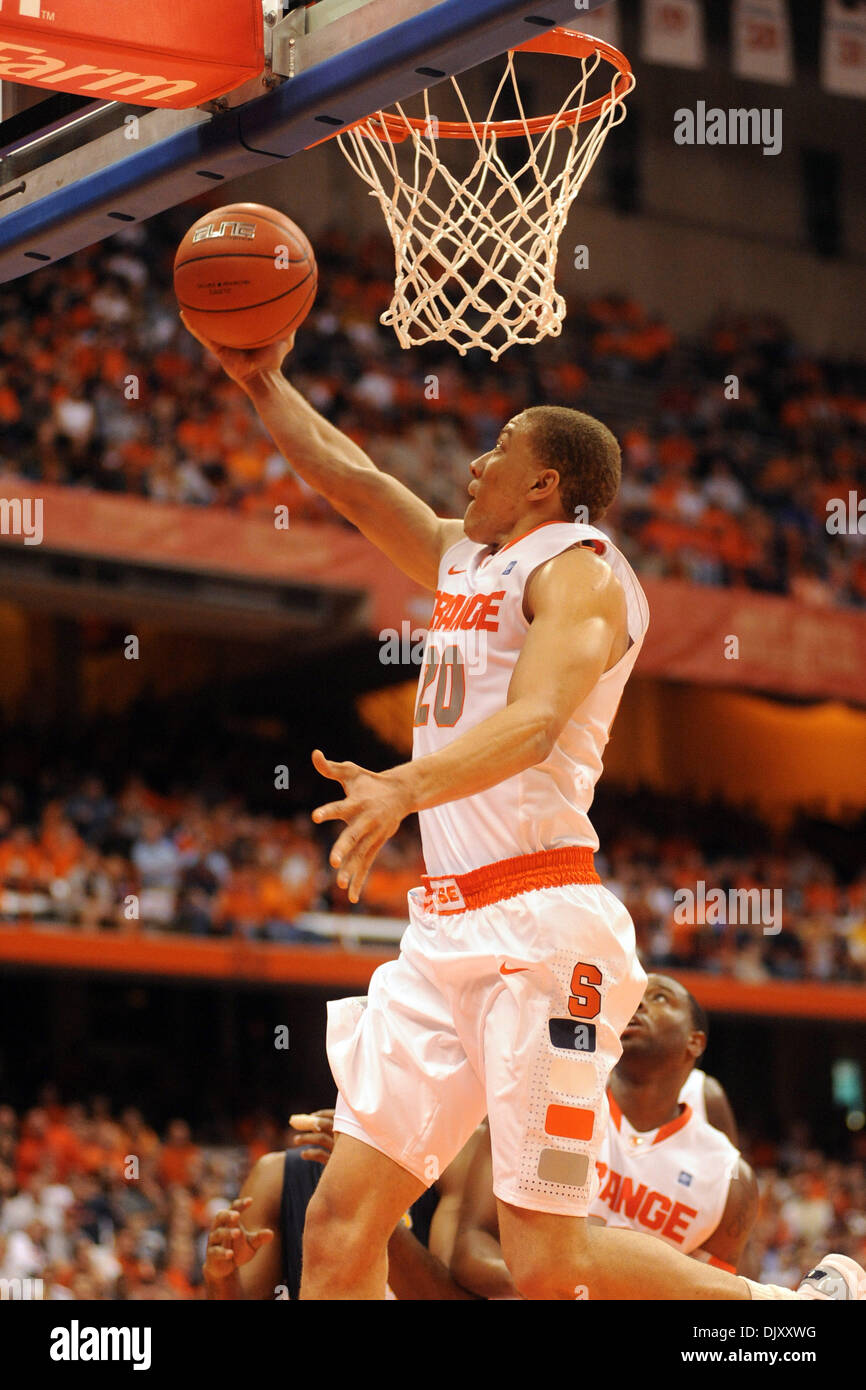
546,482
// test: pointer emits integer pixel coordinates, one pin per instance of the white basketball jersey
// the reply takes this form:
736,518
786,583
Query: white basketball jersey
670,1182
693,1093
477,631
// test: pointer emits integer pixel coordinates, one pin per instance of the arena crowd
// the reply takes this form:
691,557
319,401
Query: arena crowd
136,860
733,443
76,1213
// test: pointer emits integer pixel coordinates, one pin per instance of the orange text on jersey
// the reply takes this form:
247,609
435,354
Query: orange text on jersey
620,1194
456,611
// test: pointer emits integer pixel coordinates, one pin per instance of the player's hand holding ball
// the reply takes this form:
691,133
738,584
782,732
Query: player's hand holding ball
245,277
240,363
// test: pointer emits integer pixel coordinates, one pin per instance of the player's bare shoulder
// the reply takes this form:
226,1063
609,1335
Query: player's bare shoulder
581,583
264,1182
451,532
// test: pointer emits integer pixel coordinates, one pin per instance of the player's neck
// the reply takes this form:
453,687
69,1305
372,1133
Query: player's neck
530,522
647,1101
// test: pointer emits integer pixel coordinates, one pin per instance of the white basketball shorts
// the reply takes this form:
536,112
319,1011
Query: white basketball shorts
512,987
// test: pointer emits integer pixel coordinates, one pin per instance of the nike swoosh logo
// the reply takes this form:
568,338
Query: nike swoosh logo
452,570
515,969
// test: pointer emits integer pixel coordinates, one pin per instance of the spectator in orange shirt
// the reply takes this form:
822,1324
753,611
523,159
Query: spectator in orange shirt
32,1145
92,1153
239,906
387,887
138,1138
179,1155
277,901
180,1267
60,845
63,1145
21,863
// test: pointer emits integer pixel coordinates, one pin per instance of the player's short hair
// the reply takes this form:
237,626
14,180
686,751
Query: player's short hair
583,451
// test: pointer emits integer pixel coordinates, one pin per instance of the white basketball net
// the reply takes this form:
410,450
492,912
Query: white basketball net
476,256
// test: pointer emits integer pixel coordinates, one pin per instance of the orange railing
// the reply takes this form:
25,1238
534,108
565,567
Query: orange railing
255,962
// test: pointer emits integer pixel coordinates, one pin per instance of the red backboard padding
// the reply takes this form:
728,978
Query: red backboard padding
176,53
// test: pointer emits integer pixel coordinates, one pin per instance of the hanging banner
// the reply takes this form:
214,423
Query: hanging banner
843,48
762,41
673,33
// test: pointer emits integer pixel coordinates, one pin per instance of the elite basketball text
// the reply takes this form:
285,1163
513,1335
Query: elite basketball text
210,230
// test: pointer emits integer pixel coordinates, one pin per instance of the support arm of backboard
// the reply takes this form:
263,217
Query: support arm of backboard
382,52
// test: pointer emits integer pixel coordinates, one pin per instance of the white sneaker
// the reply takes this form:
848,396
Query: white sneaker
836,1277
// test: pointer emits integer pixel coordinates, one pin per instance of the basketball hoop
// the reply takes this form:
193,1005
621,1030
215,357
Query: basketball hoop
476,256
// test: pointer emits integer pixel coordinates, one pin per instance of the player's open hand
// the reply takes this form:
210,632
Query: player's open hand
230,1244
374,806
242,363
315,1135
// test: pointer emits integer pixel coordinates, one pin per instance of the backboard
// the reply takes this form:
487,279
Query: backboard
106,163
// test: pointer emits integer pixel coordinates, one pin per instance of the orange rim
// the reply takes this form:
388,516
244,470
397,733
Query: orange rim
564,43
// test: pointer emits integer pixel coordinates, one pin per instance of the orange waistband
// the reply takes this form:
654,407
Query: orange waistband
550,868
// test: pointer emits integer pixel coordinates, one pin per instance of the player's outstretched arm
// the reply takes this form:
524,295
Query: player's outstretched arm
242,1260
728,1241
578,630
387,513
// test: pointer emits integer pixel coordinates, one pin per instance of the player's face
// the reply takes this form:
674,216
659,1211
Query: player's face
662,1024
501,486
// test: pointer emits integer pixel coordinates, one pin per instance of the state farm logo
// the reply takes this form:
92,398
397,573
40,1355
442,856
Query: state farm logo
23,63
215,229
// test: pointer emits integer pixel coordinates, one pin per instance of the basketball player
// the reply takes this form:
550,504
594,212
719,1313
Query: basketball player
254,1246
662,1167
708,1101
537,623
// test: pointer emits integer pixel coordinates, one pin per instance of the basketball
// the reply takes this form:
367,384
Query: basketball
245,276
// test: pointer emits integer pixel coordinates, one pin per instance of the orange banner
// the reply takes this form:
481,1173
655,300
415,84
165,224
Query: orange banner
747,641
263,963
731,638
158,54
212,540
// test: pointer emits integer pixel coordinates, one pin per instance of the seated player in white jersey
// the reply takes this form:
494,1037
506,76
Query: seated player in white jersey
708,1101
537,622
662,1167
